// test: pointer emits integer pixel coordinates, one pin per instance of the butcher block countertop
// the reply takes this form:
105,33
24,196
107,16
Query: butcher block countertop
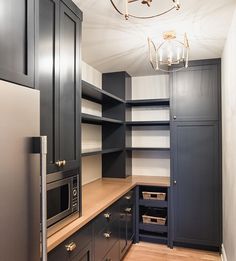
97,196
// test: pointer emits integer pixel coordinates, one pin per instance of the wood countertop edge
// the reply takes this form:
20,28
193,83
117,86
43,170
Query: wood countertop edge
63,234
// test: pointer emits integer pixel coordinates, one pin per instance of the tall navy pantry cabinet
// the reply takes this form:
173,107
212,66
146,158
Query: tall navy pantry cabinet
60,81
196,157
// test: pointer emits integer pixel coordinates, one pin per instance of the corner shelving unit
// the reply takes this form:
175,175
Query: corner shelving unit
113,127
144,231
117,148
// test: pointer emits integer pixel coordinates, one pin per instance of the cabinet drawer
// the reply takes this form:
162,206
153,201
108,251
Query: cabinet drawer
113,254
106,217
126,202
73,245
105,239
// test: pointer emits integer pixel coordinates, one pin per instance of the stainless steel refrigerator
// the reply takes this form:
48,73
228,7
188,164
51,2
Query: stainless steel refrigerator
22,176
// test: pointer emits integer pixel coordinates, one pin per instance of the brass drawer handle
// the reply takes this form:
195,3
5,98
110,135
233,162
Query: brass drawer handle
128,210
107,215
58,163
63,163
107,235
70,247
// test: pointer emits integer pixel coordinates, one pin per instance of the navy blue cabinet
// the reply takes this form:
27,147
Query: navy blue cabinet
197,186
76,248
196,156
59,83
17,41
105,238
196,93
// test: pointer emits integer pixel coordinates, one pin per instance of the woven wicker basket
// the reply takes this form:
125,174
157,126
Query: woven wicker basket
154,220
154,195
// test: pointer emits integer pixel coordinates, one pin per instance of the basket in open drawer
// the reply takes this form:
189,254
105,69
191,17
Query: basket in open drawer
154,220
155,216
154,195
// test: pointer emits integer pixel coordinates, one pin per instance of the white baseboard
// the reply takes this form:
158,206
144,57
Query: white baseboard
223,255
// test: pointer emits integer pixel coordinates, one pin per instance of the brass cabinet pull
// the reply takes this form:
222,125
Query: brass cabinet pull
58,163
107,215
63,163
107,234
128,210
70,247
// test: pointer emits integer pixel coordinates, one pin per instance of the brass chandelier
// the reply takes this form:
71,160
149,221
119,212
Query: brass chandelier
170,52
175,5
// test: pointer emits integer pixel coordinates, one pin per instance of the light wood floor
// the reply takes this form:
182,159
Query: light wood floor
154,252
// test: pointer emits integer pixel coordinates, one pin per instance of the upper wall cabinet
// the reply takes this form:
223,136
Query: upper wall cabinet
195,93
59,83
17,41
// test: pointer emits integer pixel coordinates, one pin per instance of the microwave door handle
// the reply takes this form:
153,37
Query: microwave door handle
43,170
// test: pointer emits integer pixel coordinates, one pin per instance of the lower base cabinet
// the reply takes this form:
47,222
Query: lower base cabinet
78,247
106,238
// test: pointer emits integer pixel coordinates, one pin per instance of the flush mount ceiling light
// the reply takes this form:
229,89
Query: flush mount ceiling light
170,52
174,4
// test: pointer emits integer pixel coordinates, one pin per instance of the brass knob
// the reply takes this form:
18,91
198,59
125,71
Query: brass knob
107,235
63,162
70,247
128,210
58,163
107,215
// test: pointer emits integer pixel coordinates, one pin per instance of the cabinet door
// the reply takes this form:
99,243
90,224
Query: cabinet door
123,241
85,254
70,27
48,77
113,254
130,224
195,93
126,222
197,188
17,41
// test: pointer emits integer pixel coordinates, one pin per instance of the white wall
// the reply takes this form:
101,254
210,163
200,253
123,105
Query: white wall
91,134
91,75
229,142
150,163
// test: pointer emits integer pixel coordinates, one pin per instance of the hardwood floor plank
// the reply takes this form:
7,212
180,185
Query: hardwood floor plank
155,252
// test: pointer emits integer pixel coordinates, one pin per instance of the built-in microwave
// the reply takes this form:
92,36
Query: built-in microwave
62,199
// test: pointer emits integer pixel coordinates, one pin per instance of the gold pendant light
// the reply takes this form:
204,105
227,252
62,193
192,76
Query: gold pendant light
174,5
170,52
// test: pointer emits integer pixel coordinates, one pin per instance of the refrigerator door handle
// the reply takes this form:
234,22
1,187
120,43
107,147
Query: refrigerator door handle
43,170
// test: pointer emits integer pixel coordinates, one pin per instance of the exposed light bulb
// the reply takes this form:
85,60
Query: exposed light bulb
178,54
183,56
160,55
